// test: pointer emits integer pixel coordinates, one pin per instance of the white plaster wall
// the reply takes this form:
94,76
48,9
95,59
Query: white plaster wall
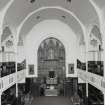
51,28
81,54
0,56
20,54
9,52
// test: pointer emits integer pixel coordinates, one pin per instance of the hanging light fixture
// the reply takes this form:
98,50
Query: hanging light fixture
68,0
31,1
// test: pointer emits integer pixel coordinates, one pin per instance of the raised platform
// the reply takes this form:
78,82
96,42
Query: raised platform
51,92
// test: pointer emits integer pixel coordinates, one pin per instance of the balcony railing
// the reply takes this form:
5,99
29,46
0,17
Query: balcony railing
93,79
7,68
96,67
11,79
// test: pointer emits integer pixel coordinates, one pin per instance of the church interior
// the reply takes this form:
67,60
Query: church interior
52,52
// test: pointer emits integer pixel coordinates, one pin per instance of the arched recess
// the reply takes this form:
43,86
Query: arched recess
7,45
40,41
2,15
95,43
55,8
72,8
98,10
99,6
95,50
51,59
66,36
6,33
80,31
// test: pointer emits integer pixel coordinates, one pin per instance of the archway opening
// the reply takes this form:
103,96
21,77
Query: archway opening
51,65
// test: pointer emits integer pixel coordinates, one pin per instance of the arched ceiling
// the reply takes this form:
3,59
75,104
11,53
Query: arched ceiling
3,3
51,13
20,9
100,3
101,6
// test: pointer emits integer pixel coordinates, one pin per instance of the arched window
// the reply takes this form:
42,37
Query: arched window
51,58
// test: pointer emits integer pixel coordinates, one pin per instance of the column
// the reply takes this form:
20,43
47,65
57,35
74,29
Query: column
15,49
0,98
16,77
14,32
104,60
104,97
0,60
86,89
103,46
0,89
88,31
87,68
86,100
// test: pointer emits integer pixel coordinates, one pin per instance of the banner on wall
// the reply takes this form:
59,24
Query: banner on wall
71,68
31,69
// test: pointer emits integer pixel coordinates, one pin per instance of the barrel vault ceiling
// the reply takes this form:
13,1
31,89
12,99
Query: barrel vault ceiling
20,9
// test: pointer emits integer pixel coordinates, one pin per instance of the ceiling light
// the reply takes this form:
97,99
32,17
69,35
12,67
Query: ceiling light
68,0
38,17
31,1
64,17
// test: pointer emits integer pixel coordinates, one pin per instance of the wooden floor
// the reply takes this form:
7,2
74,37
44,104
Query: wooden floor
52,100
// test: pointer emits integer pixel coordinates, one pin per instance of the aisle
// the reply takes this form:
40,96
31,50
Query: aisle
52,101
